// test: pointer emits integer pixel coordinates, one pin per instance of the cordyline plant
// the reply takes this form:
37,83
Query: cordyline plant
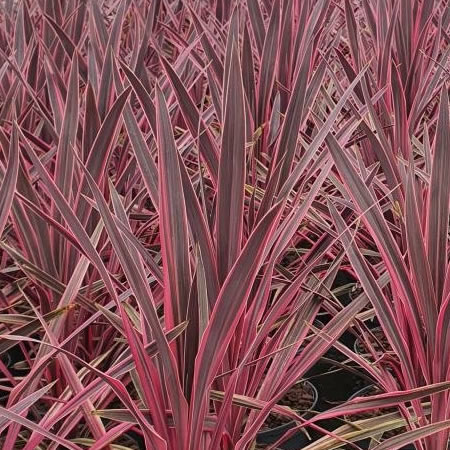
177,178
404,206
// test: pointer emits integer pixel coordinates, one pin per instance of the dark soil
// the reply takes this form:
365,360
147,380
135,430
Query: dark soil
301,398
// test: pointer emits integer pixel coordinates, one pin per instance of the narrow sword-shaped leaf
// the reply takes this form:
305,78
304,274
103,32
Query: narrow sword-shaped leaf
417,256
382,235
29,328
148,167
248,71
257,22
121,367
268,61
105,91
64,156
50,221
91,123
116,385
199,228
230,195
142,95
384,310
67,137
70,374
17,418
353,33
70,218
173,219
101,150
56,92
284,69
287,143
151,385
29,226
19,36
232,39
68,46
26,402
319,137
134,271
99,23
116,27
360,404
208,48
407,437
226,313
438,199
9,181
207,146
310,354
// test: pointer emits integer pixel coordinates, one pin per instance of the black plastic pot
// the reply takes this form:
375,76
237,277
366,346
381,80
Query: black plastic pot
299,440
358,341
366,443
